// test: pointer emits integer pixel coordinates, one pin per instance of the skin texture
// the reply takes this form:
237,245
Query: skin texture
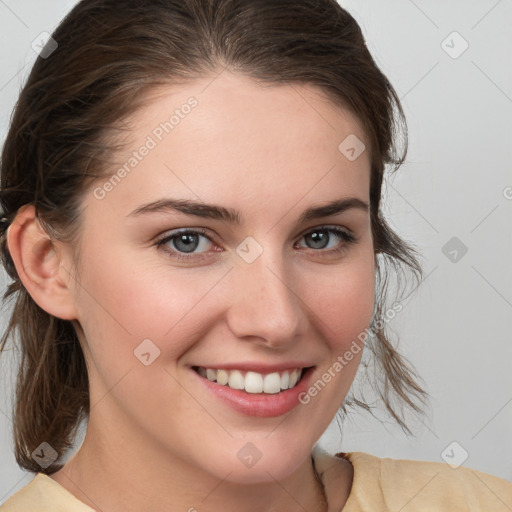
157,439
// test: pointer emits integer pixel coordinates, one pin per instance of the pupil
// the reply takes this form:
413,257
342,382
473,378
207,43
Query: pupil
319,239
189,242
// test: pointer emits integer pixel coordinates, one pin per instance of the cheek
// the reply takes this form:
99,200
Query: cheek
343,301
153,302
120,305
343,306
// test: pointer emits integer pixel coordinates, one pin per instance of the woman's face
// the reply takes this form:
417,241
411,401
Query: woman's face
234,267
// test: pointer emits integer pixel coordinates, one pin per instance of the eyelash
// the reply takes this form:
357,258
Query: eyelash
346,237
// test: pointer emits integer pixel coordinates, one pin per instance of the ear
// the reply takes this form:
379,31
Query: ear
41,265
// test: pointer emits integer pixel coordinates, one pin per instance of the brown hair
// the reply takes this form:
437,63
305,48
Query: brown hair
110,52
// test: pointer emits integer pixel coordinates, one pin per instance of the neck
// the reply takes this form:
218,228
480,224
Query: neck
116,474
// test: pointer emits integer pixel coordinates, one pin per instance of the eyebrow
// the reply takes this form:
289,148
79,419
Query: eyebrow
211,211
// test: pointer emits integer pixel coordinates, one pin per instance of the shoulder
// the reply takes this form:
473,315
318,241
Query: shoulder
43,494
423,485
394,484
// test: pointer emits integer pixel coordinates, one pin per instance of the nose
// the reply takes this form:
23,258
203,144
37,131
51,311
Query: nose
265,305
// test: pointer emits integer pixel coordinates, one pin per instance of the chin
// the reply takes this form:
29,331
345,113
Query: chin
255,462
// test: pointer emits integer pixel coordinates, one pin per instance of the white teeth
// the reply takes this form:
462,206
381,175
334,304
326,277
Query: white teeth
294,376
222,377
236,380
272,383
253,382
285,380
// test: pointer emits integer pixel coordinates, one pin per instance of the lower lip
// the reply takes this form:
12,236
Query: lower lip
259,404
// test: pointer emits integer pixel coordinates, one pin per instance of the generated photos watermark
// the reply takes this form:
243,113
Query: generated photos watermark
344,359
156,136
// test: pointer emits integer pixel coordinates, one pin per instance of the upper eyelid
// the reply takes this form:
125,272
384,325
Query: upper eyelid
326,226
204,232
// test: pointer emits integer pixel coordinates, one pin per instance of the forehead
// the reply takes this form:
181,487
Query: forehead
230,135
228,103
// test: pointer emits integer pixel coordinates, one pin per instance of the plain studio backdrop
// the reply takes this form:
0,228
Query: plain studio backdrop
450,63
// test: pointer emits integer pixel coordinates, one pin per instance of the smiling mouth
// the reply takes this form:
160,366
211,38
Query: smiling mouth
253,382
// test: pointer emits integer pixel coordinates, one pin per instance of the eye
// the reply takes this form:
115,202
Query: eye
186,241
328,238
185,244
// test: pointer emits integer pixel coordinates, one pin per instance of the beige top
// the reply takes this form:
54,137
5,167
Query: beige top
379,485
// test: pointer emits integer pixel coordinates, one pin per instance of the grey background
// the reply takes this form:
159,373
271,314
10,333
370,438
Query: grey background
457,182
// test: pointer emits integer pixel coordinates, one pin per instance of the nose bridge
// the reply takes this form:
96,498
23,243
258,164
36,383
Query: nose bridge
264,305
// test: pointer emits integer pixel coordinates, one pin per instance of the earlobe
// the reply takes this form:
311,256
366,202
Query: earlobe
40,265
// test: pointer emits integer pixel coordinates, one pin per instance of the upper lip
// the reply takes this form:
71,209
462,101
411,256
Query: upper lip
259,367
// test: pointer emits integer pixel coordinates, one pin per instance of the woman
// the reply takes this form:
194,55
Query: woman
192,222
